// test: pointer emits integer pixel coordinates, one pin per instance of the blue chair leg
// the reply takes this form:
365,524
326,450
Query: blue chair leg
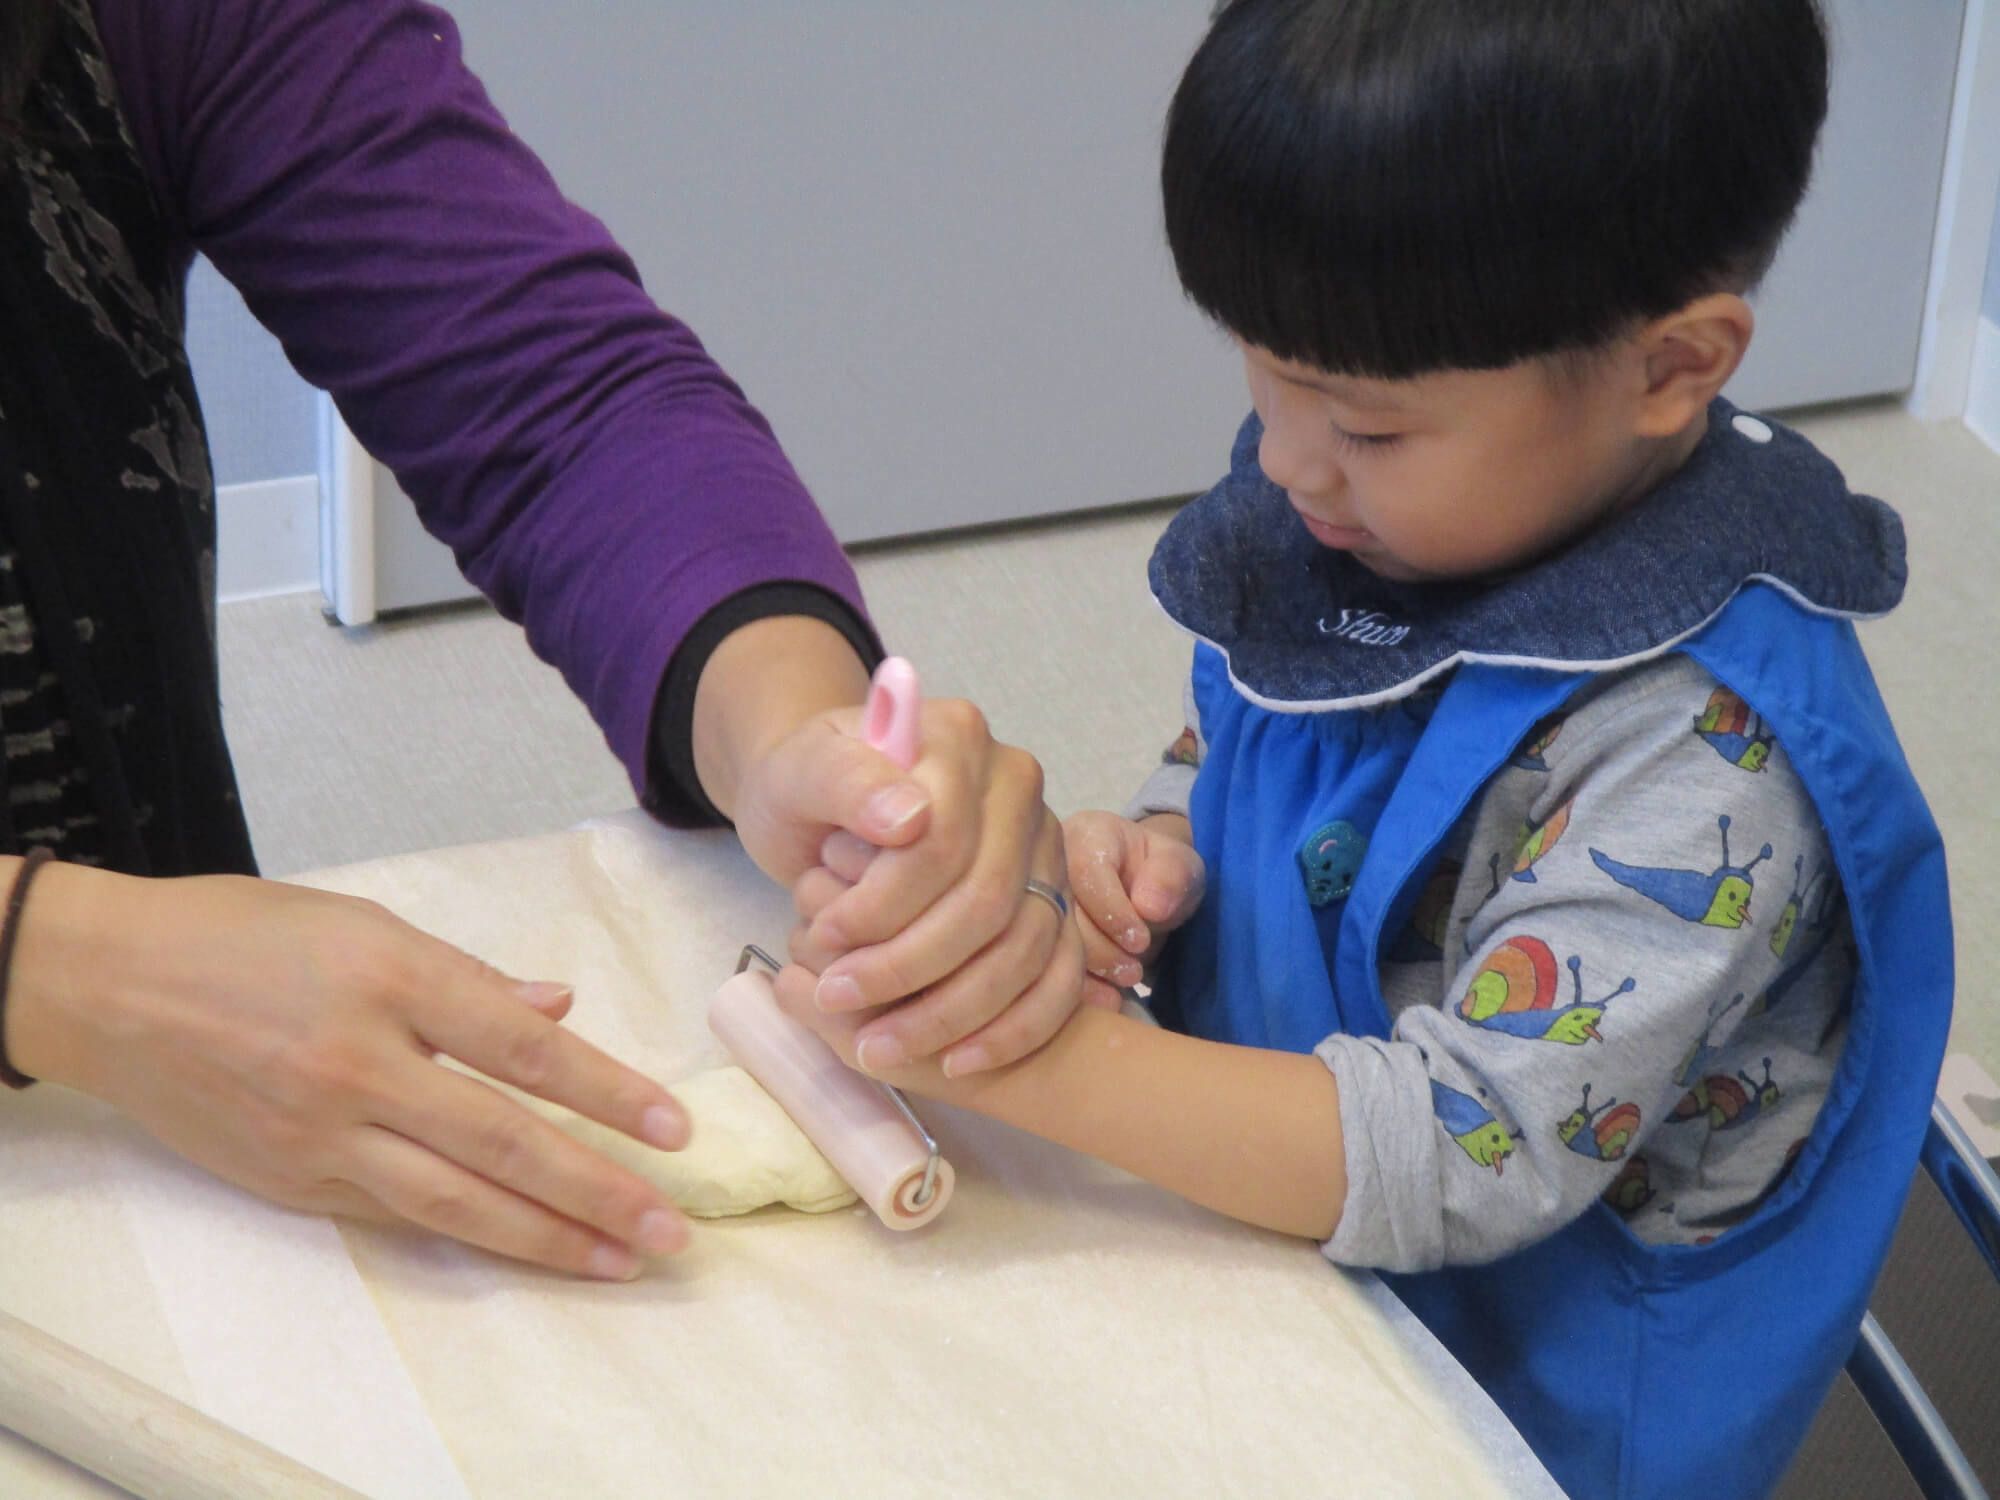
1967,1182
1885,1380
1926,1445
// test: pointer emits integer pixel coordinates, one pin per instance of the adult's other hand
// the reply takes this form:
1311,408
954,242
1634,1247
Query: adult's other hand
292,1041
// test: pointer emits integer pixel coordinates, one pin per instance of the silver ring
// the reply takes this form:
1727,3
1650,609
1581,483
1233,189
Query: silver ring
1050,894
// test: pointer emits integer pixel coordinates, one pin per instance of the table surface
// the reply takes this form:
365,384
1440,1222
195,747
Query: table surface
1062,1328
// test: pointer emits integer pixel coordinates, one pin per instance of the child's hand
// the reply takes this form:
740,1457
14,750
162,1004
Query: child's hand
1130,885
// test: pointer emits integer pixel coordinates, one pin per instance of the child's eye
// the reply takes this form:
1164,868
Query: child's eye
1376,441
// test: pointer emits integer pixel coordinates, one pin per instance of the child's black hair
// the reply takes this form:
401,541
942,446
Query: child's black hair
1392,187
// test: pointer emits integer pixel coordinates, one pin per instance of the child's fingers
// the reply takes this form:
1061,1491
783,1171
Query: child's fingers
1102,958
1097,888
1169,884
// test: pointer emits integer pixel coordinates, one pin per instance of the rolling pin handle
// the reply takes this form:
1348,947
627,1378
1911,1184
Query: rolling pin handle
752,954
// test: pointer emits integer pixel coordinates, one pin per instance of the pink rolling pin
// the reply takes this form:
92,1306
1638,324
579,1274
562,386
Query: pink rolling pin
866,1129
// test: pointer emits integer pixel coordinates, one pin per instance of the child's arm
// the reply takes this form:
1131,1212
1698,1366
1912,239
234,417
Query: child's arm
1250,1133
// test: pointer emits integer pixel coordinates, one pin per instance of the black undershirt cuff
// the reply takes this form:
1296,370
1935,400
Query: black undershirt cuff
673,790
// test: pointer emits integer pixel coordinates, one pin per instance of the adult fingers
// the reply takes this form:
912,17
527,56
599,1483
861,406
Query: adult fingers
495,1138
547,997
1035,1016
793,987
887,950
812,890
417,1184
986,814
820,778
466,1011
1035,969
846,855
810,894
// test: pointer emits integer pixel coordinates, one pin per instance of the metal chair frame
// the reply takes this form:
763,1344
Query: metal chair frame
1928,1450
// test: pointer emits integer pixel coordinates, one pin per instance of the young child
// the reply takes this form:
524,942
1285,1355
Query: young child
1575,945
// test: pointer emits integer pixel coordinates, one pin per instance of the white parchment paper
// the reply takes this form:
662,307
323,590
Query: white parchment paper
1063,1329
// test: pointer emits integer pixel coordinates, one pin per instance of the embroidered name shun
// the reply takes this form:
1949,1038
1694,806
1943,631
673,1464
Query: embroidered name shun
1366,627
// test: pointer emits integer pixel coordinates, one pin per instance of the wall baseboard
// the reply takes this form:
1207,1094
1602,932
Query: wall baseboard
267,538
1982,399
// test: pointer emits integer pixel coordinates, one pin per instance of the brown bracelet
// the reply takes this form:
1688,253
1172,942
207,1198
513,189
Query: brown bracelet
10,928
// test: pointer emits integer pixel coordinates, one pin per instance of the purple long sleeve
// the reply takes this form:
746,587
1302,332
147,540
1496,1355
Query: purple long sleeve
593,470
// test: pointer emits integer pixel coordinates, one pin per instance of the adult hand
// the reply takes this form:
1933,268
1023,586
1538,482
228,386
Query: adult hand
945,909
946,916
290,1041
1133,883
794,986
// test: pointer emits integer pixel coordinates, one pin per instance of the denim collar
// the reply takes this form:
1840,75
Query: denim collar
1307,629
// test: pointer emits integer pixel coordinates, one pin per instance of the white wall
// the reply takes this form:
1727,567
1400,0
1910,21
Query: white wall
260,414
1992,298
1982,402
262,439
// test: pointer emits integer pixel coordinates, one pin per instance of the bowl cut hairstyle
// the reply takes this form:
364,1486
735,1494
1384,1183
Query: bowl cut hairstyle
1388,188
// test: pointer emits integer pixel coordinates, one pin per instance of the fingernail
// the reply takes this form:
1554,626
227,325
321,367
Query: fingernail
543,994
1126,973
837,992
893,808
664,1126
966,1060
877,1053
613,1263
1153,898
660,1233
1134,939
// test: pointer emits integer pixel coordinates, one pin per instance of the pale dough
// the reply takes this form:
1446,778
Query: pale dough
743,1153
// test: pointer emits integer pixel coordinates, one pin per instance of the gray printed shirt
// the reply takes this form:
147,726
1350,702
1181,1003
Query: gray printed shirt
1652,841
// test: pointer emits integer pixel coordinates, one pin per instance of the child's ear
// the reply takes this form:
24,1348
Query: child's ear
1689,356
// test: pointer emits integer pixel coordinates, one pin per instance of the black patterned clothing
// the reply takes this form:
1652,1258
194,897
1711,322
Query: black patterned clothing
109,701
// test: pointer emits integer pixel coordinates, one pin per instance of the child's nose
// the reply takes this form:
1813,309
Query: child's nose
1293,463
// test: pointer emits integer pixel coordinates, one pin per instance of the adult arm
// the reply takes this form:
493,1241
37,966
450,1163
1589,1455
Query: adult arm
595,473
593,470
